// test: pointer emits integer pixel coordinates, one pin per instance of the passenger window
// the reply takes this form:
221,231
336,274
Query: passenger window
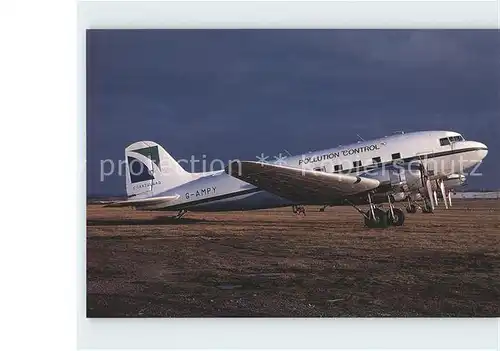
376,160
444,141
320,169
337,168
396,156
356,164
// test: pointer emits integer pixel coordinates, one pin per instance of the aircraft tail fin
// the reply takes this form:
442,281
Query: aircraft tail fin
151,170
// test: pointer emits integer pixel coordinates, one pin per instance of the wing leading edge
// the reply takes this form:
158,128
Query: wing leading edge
296,184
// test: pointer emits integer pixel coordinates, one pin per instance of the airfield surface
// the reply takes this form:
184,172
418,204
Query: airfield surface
274,263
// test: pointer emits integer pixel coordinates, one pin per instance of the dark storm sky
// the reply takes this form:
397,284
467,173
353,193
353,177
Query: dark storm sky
234,94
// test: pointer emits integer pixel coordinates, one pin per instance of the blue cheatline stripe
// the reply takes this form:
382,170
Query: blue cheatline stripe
215,198
410,159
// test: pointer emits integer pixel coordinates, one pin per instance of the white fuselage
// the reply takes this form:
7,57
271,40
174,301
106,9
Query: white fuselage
443,153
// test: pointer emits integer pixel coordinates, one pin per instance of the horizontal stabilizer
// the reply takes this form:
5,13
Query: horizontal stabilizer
151,201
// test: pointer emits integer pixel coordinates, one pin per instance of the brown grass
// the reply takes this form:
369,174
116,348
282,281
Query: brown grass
273,263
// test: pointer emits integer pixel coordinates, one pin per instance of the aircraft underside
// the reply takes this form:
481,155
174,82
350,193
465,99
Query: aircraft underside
375,216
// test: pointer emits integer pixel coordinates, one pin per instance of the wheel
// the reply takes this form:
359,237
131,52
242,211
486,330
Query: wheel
427,209
398,219
380,220
411,209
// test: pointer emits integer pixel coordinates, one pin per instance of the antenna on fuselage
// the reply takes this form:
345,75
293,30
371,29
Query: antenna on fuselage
359,136
289,154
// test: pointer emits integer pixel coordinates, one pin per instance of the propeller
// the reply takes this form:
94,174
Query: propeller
449,198
428,185
434,193
443,192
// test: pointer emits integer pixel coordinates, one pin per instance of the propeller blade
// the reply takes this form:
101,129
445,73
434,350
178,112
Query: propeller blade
436,202
428,185
443,192
449,198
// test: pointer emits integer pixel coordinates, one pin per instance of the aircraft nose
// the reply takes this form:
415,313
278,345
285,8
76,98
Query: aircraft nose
482,149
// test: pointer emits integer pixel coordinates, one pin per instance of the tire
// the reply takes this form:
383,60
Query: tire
399,217
411,209
427,209
380,220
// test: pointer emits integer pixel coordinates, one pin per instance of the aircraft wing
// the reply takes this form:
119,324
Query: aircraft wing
296,184
151,201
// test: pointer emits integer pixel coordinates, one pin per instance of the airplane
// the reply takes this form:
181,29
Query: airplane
408,167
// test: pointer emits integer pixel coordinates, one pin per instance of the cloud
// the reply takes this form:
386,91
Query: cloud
231,93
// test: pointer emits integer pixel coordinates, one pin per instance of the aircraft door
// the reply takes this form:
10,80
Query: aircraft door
423,156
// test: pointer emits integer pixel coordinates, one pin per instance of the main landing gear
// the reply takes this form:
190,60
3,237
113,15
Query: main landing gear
427,207
376,217
413,206
395,216
299,209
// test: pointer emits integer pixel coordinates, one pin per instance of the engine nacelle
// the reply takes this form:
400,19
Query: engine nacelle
397,197
397,178
454,181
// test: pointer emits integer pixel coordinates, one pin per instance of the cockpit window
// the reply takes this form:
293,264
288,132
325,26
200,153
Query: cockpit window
456,138
444,141
449,140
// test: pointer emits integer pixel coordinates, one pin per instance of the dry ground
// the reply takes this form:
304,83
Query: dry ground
273,263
